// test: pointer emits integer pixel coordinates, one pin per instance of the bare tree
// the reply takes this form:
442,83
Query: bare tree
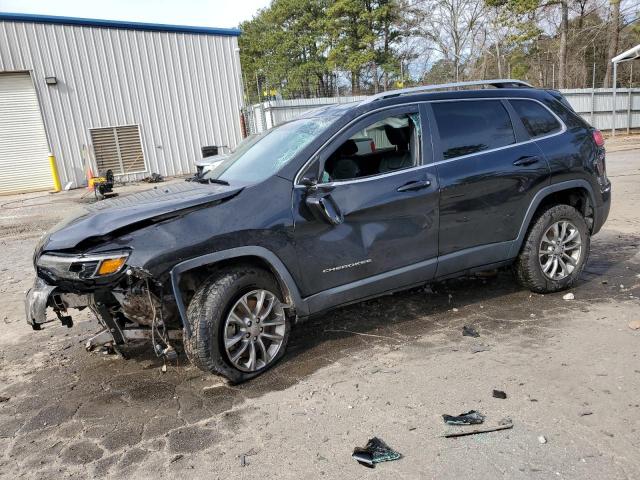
452,26
614,36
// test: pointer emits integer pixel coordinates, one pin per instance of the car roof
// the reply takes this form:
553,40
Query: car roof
431,93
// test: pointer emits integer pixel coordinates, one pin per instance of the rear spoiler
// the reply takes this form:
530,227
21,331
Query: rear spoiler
558,96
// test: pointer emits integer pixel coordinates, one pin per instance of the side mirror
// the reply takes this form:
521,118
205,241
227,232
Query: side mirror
324,208
309,182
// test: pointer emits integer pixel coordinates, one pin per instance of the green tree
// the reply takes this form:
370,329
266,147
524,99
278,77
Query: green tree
281,49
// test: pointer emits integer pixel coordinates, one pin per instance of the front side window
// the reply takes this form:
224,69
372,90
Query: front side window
384,146
260,156
536,119
468,127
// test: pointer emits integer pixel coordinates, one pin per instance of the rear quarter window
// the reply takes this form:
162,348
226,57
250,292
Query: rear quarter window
468,127
537,120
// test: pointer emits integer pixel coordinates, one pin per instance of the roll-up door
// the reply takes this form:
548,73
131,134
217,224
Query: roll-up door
24,164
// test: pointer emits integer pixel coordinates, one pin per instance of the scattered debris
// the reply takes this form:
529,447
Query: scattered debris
67,187
454,310
375,451
568,296
176,458
164,368
499,394
542,439
634,324
4,399
584,414
154,178
480,348
468,331
243,457
472,417
503,424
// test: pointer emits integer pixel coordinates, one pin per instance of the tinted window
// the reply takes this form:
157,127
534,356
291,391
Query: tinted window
385,146
472,126
537,120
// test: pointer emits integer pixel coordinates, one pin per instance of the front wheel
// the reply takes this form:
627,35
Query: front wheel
555,251
238,323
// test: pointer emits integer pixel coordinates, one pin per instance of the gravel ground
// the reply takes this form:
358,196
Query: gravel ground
388,367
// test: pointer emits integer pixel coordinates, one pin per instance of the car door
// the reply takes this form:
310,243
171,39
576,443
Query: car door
366,217
489,172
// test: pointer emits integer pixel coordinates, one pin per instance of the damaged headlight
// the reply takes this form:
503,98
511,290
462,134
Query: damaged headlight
78,267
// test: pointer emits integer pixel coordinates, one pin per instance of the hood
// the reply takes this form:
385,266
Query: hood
135,211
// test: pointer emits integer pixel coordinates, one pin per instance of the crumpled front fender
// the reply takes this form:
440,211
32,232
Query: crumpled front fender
36,302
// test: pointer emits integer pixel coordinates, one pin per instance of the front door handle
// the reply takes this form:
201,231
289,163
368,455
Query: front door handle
413,186
527,160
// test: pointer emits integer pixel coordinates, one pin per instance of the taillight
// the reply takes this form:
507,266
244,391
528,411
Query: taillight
373,146
598,138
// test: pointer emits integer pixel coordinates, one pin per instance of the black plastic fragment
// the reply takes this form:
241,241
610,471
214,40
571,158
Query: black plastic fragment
472,417
375,451
468,331
499,394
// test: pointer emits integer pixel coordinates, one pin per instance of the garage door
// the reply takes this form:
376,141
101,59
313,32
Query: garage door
24,164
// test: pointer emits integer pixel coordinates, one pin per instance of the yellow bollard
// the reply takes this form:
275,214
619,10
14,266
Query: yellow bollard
54,173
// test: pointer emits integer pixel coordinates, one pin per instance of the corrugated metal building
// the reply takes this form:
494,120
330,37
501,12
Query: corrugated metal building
133,97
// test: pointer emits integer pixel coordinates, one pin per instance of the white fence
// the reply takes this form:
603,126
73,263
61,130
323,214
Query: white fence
594,105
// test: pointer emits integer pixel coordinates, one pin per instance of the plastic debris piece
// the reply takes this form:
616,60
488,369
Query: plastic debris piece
634,324
569,296
4,399
499,394
503,424
375,451
176,458
472,417
542,439
468,331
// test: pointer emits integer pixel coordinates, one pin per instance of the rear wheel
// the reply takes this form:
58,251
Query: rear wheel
555,250
238,323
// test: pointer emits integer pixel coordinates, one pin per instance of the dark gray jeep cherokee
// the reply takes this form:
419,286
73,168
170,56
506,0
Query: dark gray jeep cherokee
345,203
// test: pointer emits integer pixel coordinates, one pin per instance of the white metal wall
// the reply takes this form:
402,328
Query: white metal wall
593,105
183,89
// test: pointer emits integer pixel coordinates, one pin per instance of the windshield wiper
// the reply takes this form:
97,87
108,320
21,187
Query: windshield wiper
213,180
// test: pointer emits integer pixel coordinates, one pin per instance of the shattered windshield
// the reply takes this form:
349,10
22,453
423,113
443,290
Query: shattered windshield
260,156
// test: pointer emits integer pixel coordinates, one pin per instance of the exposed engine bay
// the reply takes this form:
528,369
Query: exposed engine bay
135,309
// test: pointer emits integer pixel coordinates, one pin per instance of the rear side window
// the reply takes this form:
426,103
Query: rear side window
537,120
472,126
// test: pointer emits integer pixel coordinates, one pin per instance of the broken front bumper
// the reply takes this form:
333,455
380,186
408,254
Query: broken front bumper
42,295
36,303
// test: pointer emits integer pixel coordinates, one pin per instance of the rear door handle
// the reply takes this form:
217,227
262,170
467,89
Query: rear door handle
528,160
413,186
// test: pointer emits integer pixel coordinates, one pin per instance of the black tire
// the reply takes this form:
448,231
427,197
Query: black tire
528,270
208,310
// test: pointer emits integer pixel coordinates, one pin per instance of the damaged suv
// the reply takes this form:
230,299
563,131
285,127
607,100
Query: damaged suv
346,203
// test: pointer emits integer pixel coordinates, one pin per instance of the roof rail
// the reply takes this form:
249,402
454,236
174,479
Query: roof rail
498,83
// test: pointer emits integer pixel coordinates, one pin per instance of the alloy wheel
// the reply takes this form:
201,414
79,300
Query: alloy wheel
560,250
254,330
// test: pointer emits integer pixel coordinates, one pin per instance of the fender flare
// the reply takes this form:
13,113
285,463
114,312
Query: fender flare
537,200
284,277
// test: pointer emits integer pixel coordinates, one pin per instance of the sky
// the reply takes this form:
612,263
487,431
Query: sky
209,13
